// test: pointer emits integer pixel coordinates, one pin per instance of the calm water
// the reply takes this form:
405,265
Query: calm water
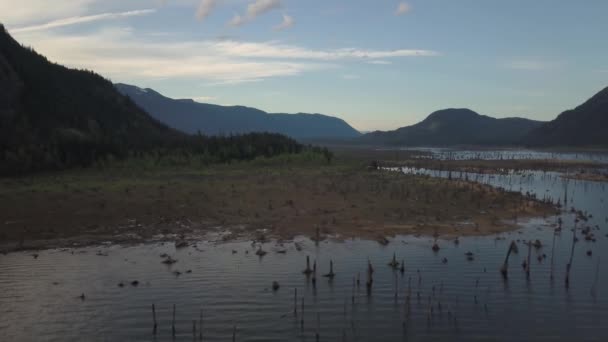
39,298
508,154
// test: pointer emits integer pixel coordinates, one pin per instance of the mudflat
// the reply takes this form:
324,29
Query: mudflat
250,200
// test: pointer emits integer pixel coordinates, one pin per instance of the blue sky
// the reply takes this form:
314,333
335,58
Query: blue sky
378,64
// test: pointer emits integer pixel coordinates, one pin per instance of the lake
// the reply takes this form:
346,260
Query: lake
451,296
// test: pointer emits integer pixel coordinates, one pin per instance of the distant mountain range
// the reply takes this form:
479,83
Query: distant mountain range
451,127
191,117
586,125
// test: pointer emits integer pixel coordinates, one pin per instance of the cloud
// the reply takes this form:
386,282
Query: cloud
124,55
277,50
287,23
205,8
254,10
27,12
351,77
80,20
380,62
403,8
204,99
532,65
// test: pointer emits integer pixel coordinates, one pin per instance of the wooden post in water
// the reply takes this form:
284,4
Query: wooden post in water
571,258
173,323
504,270
234,333
193,330
529,261
318,327
154,319
552,253
295,302
302,315
200,326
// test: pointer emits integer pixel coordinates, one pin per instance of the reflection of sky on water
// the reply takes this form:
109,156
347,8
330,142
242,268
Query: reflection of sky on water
235,288
508,154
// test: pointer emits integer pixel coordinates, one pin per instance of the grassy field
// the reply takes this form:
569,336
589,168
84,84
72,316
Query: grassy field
266,198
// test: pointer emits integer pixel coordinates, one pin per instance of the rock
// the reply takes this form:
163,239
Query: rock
275,286
537,244
169,261
134,283
121,284
589,252
383,241
444,260
181,244
260,252
435,247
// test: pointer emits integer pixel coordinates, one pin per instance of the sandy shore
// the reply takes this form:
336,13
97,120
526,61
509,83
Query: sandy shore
272,201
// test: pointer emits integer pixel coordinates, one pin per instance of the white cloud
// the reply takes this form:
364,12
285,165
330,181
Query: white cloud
254,10
277,50
403,8
124,55
380,62
27,12
205,8
287,23
81,19
351,77
532,65
204,99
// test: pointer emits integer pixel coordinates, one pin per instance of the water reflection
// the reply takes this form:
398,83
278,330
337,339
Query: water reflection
452,295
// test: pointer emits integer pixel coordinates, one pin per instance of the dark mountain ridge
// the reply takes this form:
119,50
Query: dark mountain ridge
450,127
583,126
192,117
52,116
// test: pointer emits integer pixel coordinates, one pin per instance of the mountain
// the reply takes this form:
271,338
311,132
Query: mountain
451,127
190,116
583,126
53,117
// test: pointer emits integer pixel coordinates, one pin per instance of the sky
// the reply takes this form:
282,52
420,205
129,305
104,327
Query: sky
378,64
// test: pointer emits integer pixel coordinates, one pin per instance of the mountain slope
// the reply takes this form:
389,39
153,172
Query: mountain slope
451,127
583,126
53,117
191,117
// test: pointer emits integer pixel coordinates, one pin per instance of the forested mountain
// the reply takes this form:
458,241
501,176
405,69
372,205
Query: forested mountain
586,125
451,127
190,116
52,117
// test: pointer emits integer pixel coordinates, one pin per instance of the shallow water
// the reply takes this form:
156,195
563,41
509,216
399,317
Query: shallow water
509,154
39,297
